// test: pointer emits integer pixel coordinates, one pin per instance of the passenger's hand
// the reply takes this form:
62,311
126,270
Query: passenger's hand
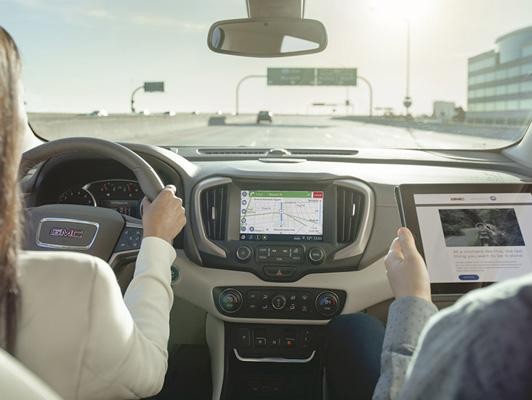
406,269
165,217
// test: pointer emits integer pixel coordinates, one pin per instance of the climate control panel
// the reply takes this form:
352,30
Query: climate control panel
279,302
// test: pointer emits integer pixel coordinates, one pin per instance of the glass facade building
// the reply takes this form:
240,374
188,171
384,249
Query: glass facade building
500,81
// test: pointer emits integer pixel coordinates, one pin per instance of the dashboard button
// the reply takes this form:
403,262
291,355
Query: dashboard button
316,255
289,342
260,341
304,297
244,337
244,253
279,272
263,251
251,307
296,251
253,296
279,302
230,300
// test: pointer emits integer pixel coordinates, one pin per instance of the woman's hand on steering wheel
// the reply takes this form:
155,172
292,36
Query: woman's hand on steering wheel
165,216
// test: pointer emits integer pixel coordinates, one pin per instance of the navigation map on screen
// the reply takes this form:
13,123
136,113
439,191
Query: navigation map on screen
296,215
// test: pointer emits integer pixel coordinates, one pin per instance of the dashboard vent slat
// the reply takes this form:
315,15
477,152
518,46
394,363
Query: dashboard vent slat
222,151
349,214
213,212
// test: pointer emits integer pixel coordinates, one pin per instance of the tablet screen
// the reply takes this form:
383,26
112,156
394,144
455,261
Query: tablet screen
475,237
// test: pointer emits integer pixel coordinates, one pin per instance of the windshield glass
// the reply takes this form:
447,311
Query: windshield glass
416,74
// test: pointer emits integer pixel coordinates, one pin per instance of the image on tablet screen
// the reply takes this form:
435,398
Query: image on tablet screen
480,227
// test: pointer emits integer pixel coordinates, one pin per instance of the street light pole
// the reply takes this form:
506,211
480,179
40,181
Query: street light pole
133,98
370,94
240,82
407,102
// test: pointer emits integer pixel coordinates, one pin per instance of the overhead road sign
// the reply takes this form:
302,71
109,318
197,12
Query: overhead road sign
312,76
336,76
154,86
291,76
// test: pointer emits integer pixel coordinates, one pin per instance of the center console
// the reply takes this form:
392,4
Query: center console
282,231
279,231
273,362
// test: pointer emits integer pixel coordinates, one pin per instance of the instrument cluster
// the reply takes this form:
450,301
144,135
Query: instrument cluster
124,196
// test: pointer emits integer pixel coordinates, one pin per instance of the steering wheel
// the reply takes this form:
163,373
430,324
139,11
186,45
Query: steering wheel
101,232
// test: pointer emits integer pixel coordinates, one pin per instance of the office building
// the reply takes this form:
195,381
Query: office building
500,81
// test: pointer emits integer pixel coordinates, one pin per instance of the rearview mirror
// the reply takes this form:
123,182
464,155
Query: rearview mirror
267,37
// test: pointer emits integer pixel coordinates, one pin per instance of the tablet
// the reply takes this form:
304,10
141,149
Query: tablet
470,235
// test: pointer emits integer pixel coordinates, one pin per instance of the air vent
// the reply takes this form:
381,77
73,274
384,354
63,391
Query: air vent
247,152
275,152
214,211
319,152
350,204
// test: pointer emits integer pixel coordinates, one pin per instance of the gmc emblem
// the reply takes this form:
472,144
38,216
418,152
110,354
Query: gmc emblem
66,233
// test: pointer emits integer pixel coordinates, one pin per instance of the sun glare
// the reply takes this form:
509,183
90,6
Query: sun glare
407,9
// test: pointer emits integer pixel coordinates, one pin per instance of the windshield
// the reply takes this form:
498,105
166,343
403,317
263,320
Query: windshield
420,74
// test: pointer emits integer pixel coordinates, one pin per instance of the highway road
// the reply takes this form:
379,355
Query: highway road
285,131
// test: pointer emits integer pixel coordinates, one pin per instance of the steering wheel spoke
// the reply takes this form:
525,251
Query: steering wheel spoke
128,245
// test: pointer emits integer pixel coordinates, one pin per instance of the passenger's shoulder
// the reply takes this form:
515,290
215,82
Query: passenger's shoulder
511,288
502,300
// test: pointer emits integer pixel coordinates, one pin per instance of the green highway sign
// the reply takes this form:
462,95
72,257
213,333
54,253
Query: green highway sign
337,77
154,86
312,76
291,77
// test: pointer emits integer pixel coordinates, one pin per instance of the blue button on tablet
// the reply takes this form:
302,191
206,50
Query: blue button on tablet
468,277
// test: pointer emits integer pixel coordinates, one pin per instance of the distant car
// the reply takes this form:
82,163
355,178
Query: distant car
99,113
217,120
169,113
145,112
264,116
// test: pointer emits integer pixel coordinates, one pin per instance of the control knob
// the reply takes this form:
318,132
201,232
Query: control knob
279,302
243,253
327,303
230,300
316,255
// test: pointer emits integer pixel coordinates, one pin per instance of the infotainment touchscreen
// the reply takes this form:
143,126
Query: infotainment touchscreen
281,215
471,236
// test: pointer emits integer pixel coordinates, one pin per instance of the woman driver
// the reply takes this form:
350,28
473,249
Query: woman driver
62,314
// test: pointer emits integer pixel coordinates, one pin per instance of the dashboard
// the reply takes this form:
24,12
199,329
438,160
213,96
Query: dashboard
274,240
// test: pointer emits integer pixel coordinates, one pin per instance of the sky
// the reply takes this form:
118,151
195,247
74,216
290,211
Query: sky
85,55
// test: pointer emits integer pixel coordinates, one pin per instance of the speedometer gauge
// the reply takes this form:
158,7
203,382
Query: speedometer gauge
76,196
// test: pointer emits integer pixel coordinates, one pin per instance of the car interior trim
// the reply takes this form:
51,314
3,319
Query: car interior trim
203,243
275,359
359,245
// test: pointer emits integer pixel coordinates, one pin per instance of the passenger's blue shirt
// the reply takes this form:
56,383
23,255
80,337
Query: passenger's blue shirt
480,348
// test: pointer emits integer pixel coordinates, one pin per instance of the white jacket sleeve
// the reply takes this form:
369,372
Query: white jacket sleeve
126,351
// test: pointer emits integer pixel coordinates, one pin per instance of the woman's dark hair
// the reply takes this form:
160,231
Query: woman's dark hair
11,126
